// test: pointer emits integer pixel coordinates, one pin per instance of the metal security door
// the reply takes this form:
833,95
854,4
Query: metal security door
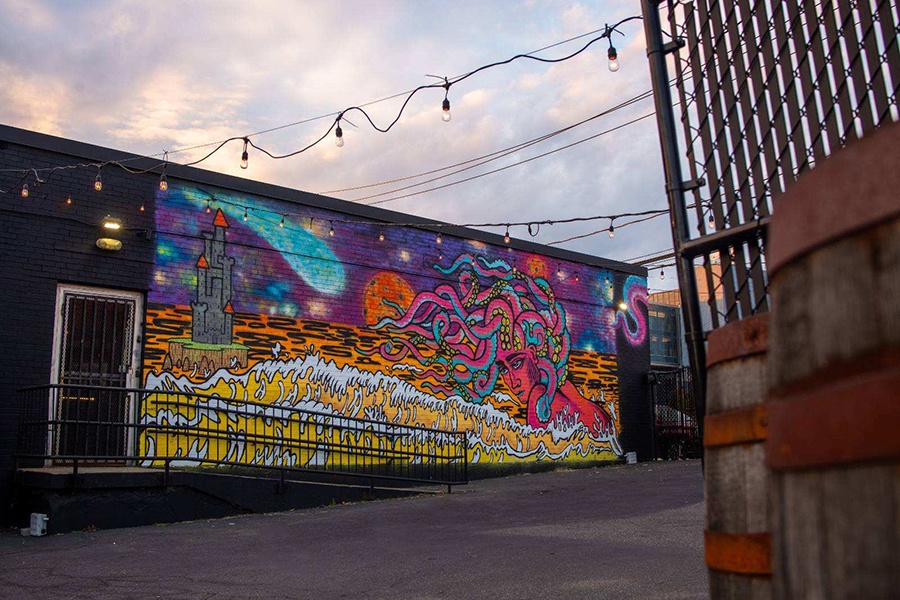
96,353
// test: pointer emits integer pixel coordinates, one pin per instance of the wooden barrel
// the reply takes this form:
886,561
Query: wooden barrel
737,483
834,376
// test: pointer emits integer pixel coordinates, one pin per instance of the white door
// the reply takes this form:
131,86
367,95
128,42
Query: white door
95,359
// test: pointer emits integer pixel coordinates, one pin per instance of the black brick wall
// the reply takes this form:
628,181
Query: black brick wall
45,242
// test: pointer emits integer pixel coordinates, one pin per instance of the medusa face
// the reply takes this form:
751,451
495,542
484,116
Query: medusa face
521,375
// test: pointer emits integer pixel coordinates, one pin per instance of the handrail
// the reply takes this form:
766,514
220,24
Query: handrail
217,397
73,423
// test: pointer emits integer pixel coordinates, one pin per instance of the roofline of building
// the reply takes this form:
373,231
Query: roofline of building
82,151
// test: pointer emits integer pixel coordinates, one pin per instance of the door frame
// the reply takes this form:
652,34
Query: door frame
133,377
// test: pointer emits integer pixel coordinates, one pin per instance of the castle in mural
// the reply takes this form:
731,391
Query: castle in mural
212,316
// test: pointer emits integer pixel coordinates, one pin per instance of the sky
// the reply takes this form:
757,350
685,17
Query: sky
146,77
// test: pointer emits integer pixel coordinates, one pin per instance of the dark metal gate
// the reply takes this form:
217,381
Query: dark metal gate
675,433
96,348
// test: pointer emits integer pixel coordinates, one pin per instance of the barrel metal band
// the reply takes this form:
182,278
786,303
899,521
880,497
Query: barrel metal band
847,421
744,553
739,426
740,339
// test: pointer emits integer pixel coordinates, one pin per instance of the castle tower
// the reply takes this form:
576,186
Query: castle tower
213,314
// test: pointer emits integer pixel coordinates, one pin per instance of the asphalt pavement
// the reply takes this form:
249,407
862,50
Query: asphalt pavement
615,532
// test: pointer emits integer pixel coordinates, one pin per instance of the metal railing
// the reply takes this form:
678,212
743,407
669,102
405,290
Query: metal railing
71,424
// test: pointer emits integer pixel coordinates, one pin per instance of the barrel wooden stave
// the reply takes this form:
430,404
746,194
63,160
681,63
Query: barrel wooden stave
736,477
835,302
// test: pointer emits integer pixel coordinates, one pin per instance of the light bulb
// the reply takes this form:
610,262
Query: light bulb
381,237
445,111
711,222
163,184
438,239
612,231
245,156
506,237
613,59
25,191
662,274
142,207
208,207
339,137
98,183
440,256
623,306
331,230
69,200
282,222
559,273
246,216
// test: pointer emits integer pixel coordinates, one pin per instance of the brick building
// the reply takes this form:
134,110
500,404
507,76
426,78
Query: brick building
230,289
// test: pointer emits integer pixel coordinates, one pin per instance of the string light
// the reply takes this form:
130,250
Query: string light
69,199
98,182
711,221
662,274
246,216
142,207
282,222
438,239
331,228
163,183
613,58
381,236
506,237
445,111
339,136
607,33
612,229
25,190
445,105
208,207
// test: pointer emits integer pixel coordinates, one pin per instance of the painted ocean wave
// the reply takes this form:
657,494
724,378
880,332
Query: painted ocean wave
321,386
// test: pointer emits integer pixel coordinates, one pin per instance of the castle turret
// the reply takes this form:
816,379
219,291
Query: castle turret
213,314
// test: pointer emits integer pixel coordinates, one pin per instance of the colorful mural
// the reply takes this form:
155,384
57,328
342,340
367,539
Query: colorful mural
250,304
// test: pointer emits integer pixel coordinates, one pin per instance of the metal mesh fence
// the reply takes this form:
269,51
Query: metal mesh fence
766,89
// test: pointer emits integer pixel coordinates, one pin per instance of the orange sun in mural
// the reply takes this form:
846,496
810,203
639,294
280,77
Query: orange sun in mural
385,286
536,267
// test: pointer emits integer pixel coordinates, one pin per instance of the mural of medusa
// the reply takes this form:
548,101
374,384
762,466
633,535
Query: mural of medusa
494,322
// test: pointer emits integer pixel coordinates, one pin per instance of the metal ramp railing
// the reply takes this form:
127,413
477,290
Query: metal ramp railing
82,424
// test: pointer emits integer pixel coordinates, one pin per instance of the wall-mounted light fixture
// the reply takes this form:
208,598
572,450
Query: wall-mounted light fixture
110,226
111,223
109,244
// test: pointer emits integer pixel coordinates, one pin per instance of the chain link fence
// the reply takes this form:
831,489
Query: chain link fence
765,90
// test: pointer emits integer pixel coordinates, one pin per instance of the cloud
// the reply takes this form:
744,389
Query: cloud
33,101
